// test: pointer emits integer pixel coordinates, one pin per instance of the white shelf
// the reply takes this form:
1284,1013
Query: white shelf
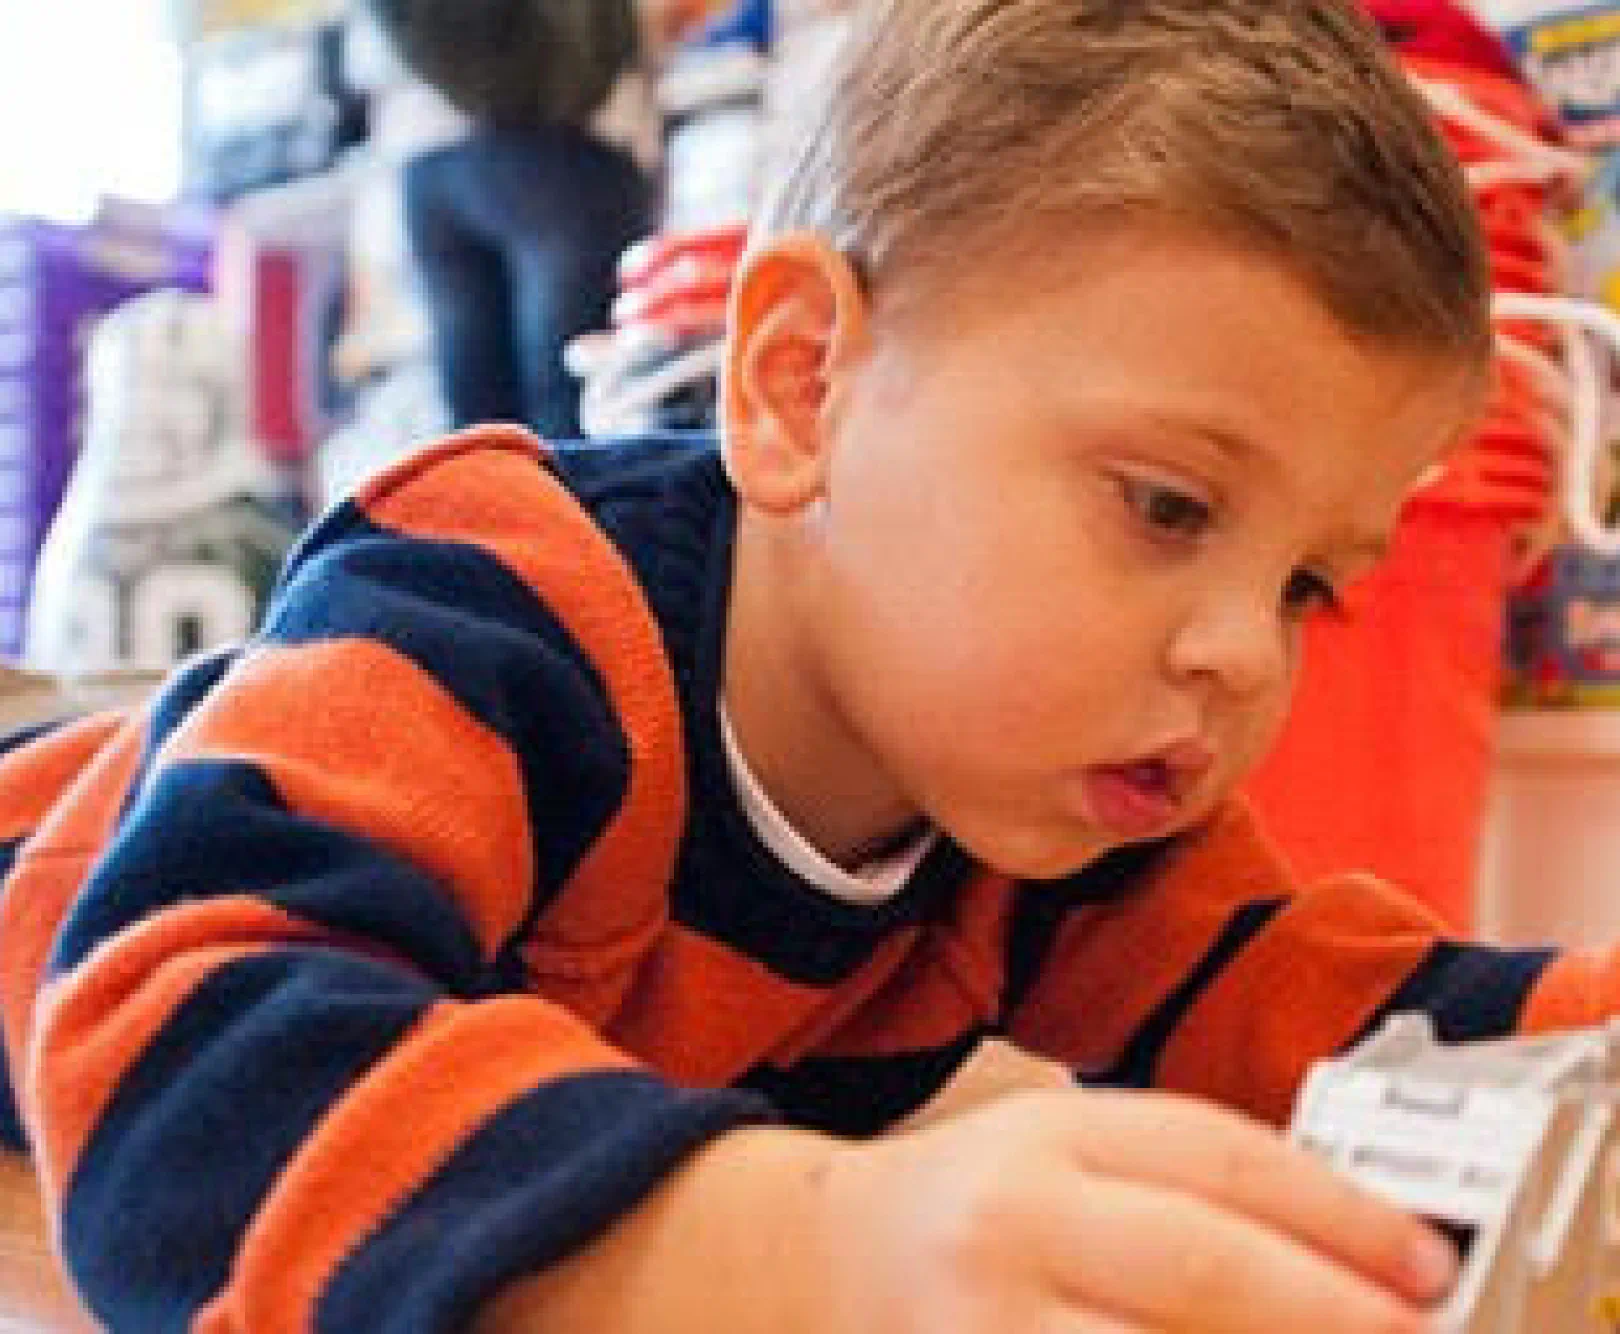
1550,857
1560,735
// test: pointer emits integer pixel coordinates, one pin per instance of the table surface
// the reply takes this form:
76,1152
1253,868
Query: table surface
34,1298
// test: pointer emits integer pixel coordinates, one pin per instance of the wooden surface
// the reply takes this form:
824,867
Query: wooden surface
34,1298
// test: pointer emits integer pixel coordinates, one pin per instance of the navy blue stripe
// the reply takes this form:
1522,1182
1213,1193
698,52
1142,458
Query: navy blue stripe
207,1117
859,1096
536,1181
1037,914
1137,1065
186,688
12,1135
203,828
603,474
180,694
16,740
1468,991
732,891
1041,907
483,635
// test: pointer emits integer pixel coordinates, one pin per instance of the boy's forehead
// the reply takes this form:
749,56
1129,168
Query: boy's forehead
1183,297
1171,272
1166,336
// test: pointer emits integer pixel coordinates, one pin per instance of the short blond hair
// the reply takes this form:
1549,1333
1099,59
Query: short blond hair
952,128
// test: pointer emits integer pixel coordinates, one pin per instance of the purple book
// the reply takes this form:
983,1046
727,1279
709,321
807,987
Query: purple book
55,282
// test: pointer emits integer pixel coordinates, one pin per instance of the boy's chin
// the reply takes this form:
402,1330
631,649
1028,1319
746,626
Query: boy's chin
1059,856
1029,857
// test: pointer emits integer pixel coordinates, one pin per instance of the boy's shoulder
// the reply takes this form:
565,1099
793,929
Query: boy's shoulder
602,472
639,525
503,458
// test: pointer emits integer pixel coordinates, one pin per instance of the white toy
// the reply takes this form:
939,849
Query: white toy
1507,1146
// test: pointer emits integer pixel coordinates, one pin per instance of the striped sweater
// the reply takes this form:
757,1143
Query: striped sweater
400,951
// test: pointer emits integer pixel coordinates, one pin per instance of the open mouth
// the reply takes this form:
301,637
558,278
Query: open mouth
1146,797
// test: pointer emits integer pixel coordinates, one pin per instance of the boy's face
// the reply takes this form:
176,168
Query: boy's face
1048,584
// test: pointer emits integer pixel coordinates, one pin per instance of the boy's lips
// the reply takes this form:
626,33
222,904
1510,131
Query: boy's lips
1142,797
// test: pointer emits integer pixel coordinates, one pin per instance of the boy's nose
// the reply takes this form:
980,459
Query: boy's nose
1241,645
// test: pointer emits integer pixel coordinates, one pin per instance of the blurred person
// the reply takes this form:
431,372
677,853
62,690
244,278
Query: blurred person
517,226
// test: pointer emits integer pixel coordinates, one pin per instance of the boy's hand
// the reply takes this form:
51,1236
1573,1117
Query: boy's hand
1058,1211
995,1070
1099,1211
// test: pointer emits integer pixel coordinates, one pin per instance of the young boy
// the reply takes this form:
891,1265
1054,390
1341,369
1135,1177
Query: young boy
541,921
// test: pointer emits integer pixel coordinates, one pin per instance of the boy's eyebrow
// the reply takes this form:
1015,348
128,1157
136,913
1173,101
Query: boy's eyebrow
1234,444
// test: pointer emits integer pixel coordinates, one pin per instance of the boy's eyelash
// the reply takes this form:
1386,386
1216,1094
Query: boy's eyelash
1169,512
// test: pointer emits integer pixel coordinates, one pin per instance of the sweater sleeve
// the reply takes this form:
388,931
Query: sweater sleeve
1221,977
280,1059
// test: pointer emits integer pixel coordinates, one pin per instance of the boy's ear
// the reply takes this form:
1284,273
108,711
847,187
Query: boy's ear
798,319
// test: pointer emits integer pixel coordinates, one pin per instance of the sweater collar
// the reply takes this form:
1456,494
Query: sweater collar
789,923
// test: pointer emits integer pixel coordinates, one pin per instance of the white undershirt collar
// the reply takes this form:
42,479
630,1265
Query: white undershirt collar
869,884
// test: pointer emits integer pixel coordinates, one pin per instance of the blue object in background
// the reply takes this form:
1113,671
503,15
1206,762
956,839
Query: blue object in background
748,22
1563,633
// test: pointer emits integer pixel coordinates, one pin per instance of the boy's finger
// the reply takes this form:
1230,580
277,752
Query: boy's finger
1065,1322
1167,1260
1246,1168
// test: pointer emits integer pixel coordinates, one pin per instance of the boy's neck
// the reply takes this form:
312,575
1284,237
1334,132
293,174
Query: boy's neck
789,727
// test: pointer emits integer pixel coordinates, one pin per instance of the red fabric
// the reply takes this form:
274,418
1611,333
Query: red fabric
1443,30
279,421
1385,760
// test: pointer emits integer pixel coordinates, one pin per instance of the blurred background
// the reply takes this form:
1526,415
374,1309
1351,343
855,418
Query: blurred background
60,85
251,250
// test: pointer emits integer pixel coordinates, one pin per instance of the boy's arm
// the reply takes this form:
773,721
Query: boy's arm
1221,977
690,1258
261,981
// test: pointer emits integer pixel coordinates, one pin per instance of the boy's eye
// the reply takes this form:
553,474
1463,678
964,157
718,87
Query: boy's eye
1309,592
1166,510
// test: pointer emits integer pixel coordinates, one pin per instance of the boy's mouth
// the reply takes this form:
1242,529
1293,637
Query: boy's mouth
1143,797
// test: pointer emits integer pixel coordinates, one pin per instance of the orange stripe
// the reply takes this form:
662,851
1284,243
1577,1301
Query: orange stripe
95,1022
385,753
925,1005
484,488
1109,967
849,999
83,817
701,1013
1580,989
1107,970
950,982
458,1067
49,873
1296,993
34,776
